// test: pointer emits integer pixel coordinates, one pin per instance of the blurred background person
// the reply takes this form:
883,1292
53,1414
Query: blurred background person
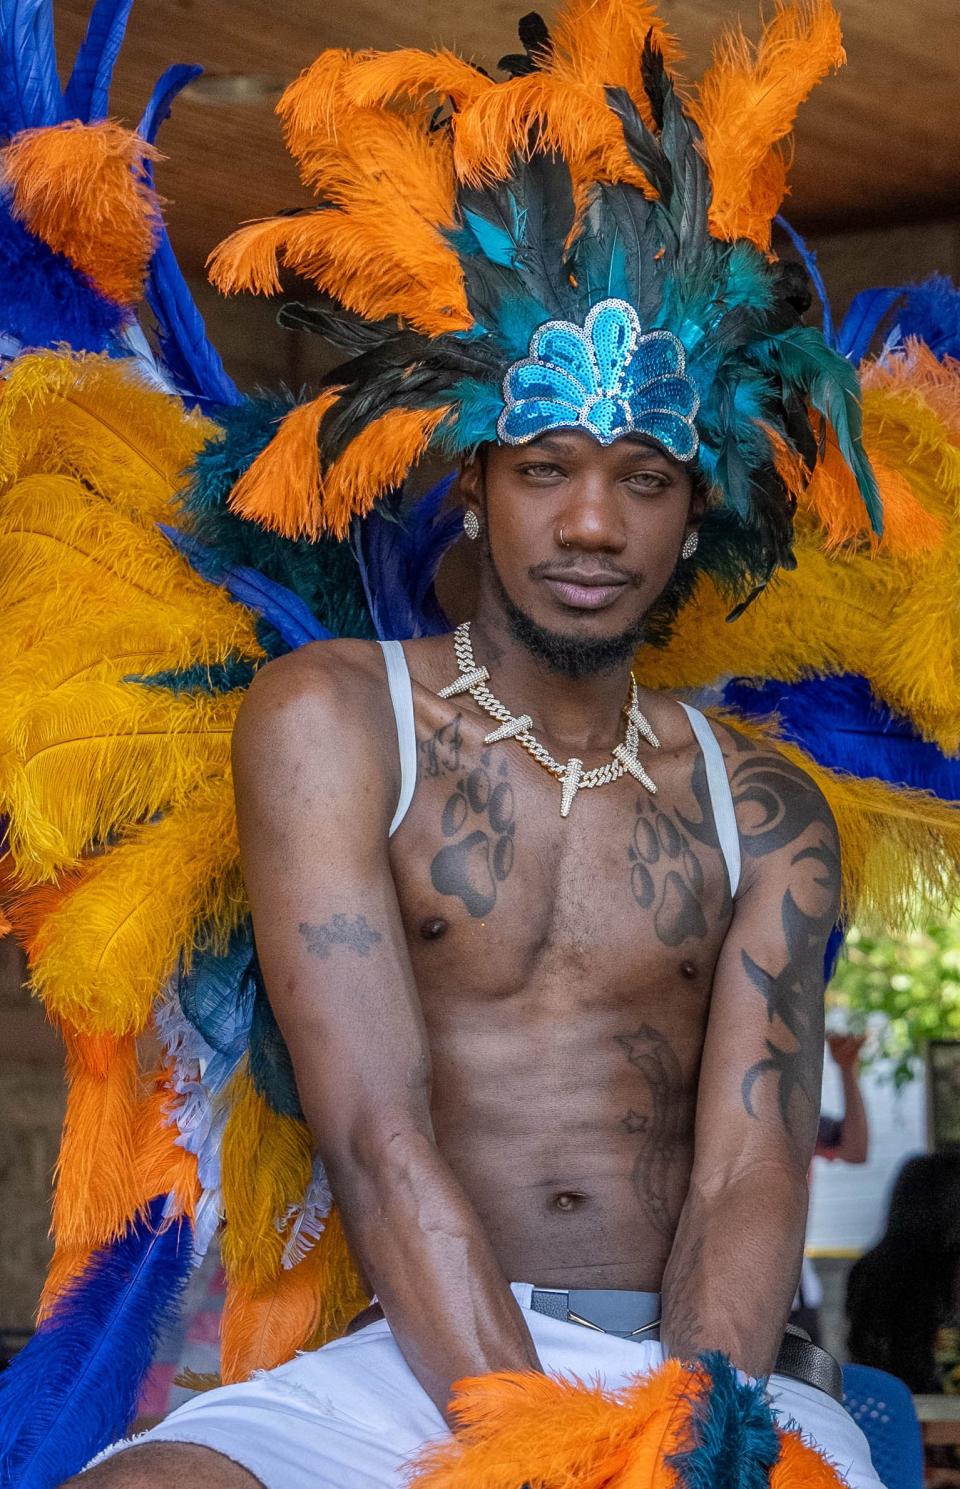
843,1139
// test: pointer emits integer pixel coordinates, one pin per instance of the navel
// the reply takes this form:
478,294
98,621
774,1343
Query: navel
688,969
432,930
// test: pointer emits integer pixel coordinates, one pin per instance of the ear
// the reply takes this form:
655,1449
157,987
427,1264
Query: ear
699,499
470,483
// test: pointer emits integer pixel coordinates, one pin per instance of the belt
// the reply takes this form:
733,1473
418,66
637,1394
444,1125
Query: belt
636,1315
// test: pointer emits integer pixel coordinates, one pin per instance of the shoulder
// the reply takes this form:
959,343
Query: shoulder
786,827
316,713
775,799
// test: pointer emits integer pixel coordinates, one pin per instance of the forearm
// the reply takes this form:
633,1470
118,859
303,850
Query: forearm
854,1141
733,1268
424,1250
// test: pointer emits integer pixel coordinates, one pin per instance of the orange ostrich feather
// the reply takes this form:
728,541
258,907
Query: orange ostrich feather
81,188
97,1194
282,488
377,459
519,1428
802,1467
264,1329
746,104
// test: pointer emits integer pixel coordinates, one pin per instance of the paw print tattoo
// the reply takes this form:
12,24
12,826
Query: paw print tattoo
655,838
479,815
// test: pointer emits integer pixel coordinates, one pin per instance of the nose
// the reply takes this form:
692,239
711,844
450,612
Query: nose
591,518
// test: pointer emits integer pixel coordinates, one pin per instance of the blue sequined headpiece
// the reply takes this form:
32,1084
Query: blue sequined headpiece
606,377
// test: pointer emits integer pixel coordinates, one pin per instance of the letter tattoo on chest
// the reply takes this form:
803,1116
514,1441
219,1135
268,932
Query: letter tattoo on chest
439,753
356,935
478,817
657,1121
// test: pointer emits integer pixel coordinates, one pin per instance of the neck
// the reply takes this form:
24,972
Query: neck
579,715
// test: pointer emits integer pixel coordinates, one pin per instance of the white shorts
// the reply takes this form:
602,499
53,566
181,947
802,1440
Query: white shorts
352,1415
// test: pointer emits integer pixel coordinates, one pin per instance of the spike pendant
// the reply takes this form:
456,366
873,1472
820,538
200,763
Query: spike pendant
572,776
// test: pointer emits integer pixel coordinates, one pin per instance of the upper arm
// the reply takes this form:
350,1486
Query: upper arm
314,801
760,1078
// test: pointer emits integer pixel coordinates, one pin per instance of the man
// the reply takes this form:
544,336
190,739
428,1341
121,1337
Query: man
554,1000
532,1048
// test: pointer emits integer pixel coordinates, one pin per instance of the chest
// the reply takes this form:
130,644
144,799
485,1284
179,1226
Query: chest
499,893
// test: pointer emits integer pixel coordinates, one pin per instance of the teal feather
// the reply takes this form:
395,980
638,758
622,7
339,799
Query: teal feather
832,386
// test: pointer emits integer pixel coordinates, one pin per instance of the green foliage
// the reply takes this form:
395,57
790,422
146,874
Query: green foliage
905,989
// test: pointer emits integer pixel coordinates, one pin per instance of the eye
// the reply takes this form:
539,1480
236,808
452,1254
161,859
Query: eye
647,481
540,470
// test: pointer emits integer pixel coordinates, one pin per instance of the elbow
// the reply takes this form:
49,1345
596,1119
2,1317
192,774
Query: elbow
373,1150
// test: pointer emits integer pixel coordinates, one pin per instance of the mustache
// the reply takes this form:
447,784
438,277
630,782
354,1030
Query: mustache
599,568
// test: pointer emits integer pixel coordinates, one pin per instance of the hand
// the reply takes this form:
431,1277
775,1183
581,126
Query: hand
845,1049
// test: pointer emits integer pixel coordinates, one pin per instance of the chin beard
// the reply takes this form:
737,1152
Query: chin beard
574,656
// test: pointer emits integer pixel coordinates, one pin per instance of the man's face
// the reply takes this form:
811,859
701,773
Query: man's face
581,539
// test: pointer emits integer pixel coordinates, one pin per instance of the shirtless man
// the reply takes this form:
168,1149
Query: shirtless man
533,1049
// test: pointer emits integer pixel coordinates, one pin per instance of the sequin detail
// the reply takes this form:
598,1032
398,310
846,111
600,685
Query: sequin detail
606,377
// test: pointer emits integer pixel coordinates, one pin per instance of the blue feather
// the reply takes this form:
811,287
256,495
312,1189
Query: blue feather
88,90
217,992
191,357
860,323
74,1388
398,556
161,100
810,264
733,1438
202,677
30,93
478,407
931,311
844,726
271,1068
493,241
44,300
280,607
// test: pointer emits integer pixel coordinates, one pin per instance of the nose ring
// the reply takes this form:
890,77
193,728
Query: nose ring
563,541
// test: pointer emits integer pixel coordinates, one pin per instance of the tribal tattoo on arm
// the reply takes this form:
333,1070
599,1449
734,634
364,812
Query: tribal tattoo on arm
781,811
355,935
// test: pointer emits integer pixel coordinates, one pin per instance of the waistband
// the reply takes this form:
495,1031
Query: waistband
636,1315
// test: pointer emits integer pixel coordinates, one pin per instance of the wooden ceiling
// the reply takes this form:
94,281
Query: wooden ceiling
877,144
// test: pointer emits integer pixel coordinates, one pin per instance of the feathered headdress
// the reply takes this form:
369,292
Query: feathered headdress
572,247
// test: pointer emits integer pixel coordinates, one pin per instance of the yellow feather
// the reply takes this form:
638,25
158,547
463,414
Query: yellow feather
67,555
900,848
96,757
100,960
265,1167
95,419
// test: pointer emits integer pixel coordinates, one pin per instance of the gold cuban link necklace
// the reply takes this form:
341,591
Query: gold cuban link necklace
572,776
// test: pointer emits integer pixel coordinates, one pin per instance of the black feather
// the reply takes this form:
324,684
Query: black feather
653,76
643,146
343,328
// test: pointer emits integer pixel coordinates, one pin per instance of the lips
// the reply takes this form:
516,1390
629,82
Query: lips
579,591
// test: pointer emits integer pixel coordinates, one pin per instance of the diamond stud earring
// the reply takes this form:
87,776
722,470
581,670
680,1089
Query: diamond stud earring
689,545
471,524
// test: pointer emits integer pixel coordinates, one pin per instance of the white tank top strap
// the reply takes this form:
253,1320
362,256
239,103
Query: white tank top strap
721,797
401,696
